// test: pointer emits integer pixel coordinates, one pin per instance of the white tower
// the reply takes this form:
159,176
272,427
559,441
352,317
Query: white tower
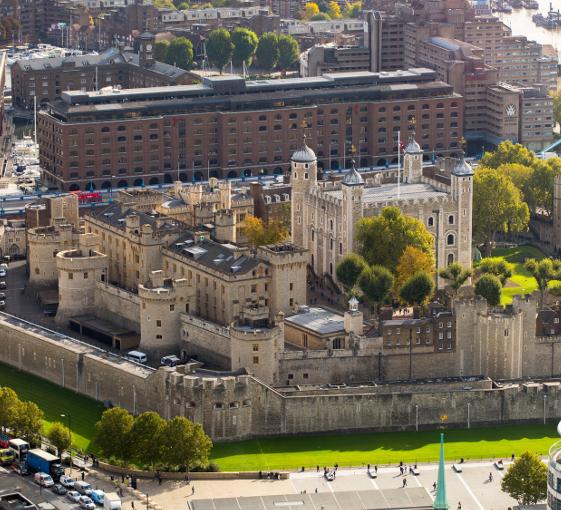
303,176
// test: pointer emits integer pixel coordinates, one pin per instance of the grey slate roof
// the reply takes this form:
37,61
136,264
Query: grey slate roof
115,216
318,320
388,193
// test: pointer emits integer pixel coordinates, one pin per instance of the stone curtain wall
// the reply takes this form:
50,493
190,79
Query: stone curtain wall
242,407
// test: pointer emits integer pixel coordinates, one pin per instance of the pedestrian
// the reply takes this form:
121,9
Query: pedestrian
317,469
132,505
336,467
376,469
490,477
122,478
459,505
400,470
405,482
316,490
434,486
512,457
193,491
83,476
368,467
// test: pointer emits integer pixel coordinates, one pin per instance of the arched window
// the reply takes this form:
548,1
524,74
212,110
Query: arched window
451,219
450,259
450,239
430,221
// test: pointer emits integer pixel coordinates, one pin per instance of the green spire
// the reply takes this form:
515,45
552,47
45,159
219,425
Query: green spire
440,502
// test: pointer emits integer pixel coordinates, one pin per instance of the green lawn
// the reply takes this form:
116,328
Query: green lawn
521,281
54,401
381,448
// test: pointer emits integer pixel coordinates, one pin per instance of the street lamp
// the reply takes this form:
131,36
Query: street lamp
69,416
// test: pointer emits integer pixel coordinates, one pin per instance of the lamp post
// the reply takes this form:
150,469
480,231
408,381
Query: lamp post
69,416
416,418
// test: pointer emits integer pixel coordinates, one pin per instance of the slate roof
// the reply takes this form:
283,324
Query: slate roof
388,192
113,215
318,320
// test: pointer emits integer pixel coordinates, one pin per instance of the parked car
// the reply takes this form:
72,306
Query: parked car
4,266
73,496
97,496
2,305
83,488
86,502
3,296
170,361
3,272
67,482
3,285
59,489
43,479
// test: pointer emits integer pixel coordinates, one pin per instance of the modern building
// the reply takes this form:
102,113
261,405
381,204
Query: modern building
325,214
48,78
228,127
554,477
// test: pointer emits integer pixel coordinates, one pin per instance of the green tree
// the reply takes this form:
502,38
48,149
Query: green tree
28,422
219,48
245,44
456,275
544,272
497,266
310,10
521,177
334,10
146,438
353,10
180,53
9,404
113,434
541,185
556,106
268,51
412,261
497,207
161,51
185,444
60,437
289,51
260,235
321,16
383,238
489,287
508,152
166,4
418,289
375,283
349,269
526,479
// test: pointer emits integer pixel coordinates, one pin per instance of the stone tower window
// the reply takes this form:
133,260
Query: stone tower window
450,258
430,221
451,219
450,239
306,174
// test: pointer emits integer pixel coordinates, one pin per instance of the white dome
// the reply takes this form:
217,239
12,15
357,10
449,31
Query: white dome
412,146
304,154
352,177
462,168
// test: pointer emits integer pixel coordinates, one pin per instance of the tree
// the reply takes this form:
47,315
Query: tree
219,48
185,444
268,51
456,275
113,434
497,266
9,403
245,44
383,238
541,185
497,207
334,10
489,287
28,422
349,269
289,51
508,152
146,438
418,289
260,235
526,479
166,4
60,437
161,51
556,106
321,16
180,53
353,10
412,260
521,177
543,271
375,283
310,10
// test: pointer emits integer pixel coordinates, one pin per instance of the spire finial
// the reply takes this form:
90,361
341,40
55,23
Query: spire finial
440,501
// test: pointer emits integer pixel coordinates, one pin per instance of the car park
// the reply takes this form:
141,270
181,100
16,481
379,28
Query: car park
59,489
97,496
86,502
73,496
67,482
43,479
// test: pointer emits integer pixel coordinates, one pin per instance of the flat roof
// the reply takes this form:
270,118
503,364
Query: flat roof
414,498
318,320
389,192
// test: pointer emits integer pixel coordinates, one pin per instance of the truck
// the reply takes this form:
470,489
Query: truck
41,461
111,501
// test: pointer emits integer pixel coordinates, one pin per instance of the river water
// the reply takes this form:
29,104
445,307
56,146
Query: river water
520,22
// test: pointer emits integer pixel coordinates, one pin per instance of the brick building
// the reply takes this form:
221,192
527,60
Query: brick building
228,127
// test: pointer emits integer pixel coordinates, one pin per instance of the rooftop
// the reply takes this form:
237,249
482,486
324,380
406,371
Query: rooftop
318,320
388,193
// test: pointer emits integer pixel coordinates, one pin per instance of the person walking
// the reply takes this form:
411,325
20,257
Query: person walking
132,505
405,482
490,477
459,505
193,490
434,486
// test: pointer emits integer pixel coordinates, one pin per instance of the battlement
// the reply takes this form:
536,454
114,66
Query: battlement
282,253
80,260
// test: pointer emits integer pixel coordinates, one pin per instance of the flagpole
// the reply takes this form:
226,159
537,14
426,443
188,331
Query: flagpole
398,164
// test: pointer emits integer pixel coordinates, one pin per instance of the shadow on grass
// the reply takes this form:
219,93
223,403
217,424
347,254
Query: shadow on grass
54,401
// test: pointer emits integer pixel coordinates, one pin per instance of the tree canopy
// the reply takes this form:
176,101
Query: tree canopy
289,51
146,437
418,289
456,275
268,51
544,272
219,48
334,10
489,287
383,238
497,266
180,53
260,234
161,51
526,479
497,207
113,434
59,436
412,260
24,418
245,44
508,152
310,10
349,269
184,444
375,283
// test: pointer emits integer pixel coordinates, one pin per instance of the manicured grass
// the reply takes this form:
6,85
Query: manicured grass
54,401
382,448
521,282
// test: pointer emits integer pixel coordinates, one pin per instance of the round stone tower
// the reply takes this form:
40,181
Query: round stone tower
79,270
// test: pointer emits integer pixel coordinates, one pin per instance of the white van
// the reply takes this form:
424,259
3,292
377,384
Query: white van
43,479
83,488
137,356
112,501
